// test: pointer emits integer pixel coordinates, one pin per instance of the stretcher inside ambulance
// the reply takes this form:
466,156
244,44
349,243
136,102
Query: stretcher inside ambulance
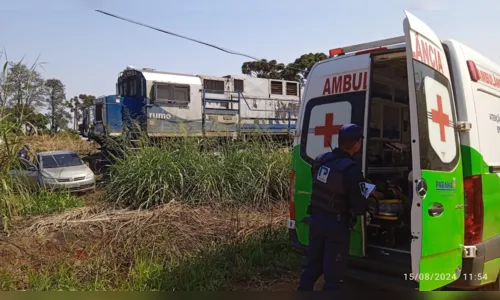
428,109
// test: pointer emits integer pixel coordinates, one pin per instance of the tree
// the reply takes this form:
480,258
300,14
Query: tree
296,71
77,104
28,117
57,105
305,63
263,69
24,86
74,107
86,99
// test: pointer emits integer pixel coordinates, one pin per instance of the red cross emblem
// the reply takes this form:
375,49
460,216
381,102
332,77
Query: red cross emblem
442,119
327,130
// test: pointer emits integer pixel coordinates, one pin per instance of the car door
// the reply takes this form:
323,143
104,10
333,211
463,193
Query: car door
437,216
25,173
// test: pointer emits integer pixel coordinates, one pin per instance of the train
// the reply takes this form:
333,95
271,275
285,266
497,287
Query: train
163,105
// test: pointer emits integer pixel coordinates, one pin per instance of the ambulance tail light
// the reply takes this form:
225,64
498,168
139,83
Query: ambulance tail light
474,73
371,50
292,191
474,213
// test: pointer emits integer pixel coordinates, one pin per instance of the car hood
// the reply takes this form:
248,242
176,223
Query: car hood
66,172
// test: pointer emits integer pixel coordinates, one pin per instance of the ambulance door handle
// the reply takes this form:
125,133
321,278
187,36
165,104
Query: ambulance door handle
436,209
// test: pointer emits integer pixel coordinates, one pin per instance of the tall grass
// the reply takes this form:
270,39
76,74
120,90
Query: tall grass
200,171
10,143
15,197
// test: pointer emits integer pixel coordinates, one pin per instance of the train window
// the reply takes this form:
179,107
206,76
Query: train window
132,87
276,87
181,93
171,93
213,86
98,112
292,89
140,93
238,85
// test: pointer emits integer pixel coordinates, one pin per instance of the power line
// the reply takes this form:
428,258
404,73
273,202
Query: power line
190,39
178,35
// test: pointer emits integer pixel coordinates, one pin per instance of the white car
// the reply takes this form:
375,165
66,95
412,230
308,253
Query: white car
57,170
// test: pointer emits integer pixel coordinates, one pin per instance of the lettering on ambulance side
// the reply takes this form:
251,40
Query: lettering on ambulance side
488,77
427,52
345,83
495,118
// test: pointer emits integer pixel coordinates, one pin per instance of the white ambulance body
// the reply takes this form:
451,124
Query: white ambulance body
440,102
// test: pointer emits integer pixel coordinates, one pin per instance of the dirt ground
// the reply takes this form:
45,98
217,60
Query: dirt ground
99,231
90,231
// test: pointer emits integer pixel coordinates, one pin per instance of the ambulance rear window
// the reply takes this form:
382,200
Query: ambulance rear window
323,117
439,145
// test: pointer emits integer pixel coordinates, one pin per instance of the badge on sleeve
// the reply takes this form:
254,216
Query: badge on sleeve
366,188
323,174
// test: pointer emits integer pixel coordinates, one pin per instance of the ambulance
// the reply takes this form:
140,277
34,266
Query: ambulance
430,110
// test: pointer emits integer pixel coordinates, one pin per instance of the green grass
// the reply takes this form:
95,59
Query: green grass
264,254
238,265
246,173
45,202
6,281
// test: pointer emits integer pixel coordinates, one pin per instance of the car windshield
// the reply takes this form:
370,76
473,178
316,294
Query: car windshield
61,160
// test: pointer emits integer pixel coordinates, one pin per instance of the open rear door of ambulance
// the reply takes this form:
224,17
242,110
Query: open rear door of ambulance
336,94
437,216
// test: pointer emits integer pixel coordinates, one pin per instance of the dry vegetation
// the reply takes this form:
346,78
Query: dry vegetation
171,247
205,239
59,141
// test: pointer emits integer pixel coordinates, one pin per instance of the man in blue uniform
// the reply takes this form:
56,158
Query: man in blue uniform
336,201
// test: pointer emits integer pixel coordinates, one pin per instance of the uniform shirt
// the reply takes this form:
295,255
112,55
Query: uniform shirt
352,177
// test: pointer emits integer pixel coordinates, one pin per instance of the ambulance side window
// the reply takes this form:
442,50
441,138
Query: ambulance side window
439,144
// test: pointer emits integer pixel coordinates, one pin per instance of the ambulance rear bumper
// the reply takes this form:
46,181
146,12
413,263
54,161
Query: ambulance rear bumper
475,257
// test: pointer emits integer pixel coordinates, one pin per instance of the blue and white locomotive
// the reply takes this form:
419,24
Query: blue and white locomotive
167,104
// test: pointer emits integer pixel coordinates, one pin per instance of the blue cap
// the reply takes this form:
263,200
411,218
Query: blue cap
351,132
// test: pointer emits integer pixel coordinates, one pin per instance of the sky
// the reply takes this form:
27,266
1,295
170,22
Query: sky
86,50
